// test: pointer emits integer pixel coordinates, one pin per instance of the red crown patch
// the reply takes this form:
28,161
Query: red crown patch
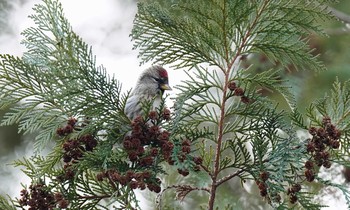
163,73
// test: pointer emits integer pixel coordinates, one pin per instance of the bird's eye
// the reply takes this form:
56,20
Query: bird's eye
157,79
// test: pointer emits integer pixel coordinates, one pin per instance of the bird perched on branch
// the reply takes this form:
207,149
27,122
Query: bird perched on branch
150,86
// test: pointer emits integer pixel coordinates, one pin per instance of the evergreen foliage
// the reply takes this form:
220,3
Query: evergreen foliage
221,126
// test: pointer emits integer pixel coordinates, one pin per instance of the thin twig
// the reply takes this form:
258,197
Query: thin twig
343,17
340,15
206,169
113,184
181,189
228,177
94,197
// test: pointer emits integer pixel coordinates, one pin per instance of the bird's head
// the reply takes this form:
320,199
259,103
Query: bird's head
153,81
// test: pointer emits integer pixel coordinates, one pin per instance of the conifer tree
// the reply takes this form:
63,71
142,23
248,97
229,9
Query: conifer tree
220,126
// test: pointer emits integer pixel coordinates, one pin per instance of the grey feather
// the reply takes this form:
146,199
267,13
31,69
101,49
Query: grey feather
147,88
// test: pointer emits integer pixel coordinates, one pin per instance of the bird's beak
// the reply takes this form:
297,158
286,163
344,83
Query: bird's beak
165,87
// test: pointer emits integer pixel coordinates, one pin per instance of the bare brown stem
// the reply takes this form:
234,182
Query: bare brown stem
215,173
228,177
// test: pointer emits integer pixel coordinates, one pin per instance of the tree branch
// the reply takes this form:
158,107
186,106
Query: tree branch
343,17
340,15
100,197
182,191
228,177
221,125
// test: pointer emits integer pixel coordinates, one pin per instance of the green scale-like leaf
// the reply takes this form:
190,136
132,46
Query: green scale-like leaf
336,105
216,32
57,78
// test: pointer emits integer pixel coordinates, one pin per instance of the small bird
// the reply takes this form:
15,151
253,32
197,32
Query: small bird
150,86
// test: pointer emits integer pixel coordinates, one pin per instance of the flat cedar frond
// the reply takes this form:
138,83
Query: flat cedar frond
194,99
307,202
336,105
6,204
216,32
69,62
223,97
56,78
270,79
297,119
241,154
29,167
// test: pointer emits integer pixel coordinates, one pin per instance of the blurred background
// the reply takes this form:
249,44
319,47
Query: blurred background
106,26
